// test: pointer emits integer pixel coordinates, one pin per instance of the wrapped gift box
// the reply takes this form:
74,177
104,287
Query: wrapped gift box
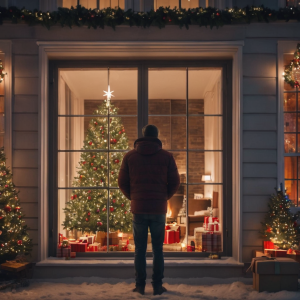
82,247
172,247
274,275
210,220
211,242
74,246
198,231
276,252
93,247
100,237
63,251
169,237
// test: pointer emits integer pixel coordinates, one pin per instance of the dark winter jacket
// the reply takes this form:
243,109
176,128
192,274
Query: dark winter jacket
148,177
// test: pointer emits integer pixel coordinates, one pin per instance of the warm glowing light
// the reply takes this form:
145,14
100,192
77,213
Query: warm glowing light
169,211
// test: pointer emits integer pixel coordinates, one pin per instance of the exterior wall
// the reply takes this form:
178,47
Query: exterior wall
259,106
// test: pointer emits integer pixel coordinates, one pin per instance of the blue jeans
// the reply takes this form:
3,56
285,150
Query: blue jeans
156,223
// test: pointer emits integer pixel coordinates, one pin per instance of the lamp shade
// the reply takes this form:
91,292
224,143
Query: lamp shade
206,177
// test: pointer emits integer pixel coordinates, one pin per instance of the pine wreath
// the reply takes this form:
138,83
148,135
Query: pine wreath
292,71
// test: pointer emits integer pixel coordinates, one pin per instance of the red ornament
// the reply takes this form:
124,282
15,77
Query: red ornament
123,130
111,209
20,242
6,186
122,204
2,245
19,217
84,162
92,164
125,212
98,210
99,223
101,166
91,143
75,196
120,132
89,213
296,83
87,219
72,197
93,156
95,168
112,172
80,176
114,200
95,123
89,197
17,208
117,161
7,208
101,127
89,191
104,209
101,180
269,229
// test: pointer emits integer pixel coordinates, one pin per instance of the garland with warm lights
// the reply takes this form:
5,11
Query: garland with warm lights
212,17
292,71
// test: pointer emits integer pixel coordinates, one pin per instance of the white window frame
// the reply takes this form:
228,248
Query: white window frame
6,49
135,50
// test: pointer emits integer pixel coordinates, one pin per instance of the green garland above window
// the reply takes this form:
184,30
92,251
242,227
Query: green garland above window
95,18
292,71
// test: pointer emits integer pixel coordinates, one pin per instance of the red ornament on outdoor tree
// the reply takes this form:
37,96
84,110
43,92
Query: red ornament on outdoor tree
87,219
17,208
7,208
111,209
20,242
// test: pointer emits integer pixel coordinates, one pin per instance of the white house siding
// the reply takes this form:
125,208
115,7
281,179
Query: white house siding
259,106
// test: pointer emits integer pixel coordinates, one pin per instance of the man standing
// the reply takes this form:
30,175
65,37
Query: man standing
149,177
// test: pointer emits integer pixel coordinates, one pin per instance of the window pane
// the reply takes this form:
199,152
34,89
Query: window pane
290,167
289,143
203,201
205,133
289,102
204,91
172,131
205,167
167,91
82,210
290,122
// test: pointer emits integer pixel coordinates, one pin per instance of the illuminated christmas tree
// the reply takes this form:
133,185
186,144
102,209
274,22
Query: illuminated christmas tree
280,226
14,238
87,209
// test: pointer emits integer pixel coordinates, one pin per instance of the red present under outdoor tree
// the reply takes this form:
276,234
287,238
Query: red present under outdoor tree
280,226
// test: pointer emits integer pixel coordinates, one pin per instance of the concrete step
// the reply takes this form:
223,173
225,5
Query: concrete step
124,268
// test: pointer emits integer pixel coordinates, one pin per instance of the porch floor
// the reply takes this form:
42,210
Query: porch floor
54,267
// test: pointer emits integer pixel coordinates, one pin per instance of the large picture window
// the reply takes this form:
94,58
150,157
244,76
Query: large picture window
90,133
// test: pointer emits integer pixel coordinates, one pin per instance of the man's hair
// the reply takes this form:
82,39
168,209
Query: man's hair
150,130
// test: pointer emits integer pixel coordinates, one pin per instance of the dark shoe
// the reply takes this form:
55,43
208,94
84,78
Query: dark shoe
159,290
139,289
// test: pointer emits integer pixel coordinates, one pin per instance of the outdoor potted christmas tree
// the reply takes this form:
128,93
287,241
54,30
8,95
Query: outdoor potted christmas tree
14,238
280,229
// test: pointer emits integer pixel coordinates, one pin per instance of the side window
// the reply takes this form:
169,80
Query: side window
291,109
2,127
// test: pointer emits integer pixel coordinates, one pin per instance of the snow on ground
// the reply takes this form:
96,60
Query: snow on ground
93,288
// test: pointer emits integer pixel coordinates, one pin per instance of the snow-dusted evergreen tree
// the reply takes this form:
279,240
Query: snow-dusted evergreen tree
87,209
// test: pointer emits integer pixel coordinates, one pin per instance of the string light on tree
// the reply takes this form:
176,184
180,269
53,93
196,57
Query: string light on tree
279,226
14,238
